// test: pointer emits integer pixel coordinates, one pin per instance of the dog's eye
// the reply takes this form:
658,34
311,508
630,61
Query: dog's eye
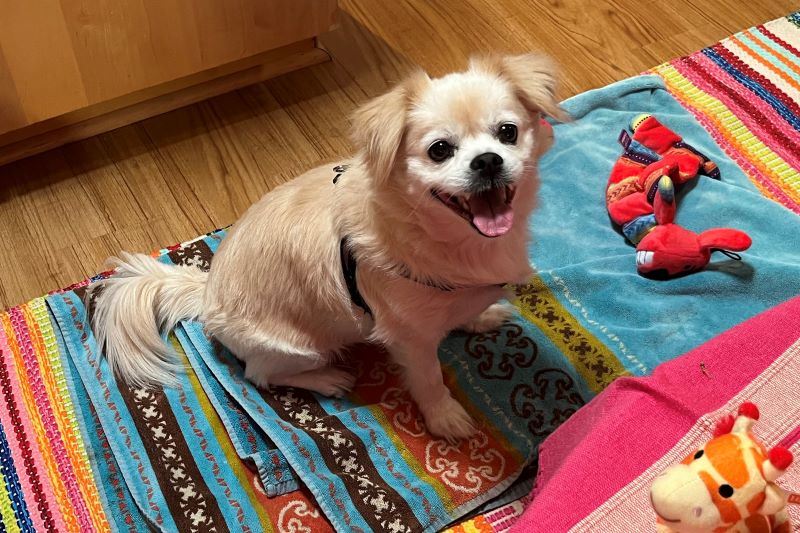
507,133
440,150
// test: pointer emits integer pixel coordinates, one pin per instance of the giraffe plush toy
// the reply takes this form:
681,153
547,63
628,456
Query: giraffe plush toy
727,486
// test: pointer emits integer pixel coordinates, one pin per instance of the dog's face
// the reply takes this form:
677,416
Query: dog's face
459,147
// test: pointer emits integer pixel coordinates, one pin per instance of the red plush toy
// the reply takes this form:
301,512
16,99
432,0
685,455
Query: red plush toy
640,197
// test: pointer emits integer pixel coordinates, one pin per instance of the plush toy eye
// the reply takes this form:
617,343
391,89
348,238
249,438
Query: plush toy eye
726,491
440,150
699,454
507,133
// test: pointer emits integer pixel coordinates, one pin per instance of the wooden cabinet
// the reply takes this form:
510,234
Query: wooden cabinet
74,68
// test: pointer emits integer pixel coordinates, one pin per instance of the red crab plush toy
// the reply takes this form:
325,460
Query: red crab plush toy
640,197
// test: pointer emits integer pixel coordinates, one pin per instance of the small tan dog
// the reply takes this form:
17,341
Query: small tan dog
414,238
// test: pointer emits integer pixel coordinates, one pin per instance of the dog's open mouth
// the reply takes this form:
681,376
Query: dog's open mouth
489,212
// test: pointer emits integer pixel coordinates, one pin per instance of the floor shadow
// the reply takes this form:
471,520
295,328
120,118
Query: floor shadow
359,74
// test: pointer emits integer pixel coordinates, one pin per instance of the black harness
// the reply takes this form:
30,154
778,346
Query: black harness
350,265
349,273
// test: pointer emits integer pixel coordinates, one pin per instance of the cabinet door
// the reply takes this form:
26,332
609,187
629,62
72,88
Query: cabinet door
58,56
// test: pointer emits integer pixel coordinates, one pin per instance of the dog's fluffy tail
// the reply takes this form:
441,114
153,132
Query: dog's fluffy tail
135,306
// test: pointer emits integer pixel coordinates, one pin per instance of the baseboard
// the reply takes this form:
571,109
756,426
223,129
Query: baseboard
106,116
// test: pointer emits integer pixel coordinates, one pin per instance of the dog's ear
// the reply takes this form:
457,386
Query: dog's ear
379,125
534,77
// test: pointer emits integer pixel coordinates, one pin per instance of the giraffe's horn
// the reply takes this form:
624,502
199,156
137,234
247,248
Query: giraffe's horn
748,414
780,459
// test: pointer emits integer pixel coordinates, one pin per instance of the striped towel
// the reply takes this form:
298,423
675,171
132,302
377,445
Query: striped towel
199,456
745,90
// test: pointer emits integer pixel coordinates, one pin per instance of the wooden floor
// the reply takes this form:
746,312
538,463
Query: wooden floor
175,176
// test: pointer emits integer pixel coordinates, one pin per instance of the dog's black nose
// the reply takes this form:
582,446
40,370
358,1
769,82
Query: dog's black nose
487,164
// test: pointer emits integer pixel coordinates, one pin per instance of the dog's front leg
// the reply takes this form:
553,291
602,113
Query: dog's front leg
444,416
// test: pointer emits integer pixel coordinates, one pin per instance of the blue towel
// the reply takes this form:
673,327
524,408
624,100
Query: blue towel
587,263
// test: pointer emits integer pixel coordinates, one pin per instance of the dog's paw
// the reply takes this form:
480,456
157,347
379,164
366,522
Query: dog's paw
449,420
492,318
328,381
332,382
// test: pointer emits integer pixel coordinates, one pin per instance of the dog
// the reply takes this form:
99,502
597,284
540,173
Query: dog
413,237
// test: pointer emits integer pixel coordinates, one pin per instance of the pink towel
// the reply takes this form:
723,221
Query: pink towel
601,458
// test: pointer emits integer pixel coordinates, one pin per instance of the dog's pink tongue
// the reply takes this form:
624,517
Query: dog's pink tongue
490,213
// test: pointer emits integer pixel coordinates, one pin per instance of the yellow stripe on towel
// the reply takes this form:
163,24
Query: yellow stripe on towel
594,361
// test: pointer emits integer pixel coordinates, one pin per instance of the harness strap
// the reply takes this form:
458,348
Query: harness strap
349,273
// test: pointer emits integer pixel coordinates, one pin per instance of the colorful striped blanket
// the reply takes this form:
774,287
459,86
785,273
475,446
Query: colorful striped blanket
95,454
745,91
80,452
